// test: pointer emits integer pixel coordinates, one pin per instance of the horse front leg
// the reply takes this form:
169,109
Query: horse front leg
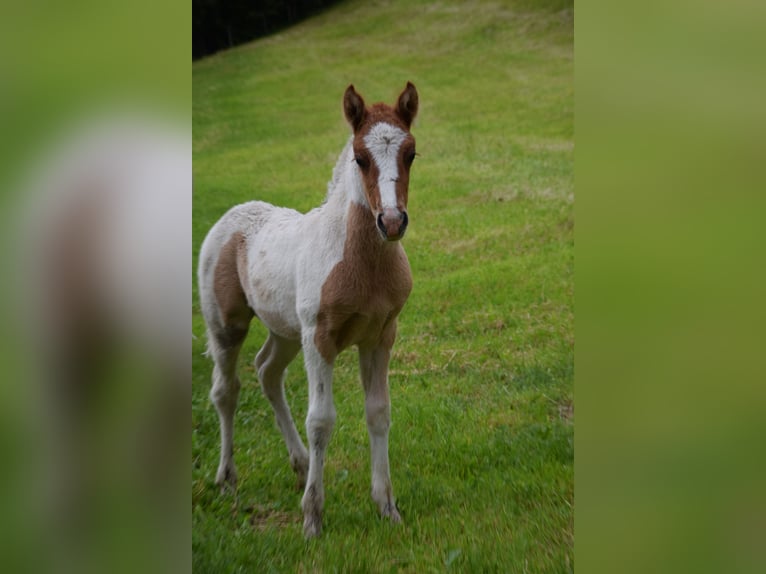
319,424
373,367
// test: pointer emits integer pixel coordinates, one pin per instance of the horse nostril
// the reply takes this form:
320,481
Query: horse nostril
403,226
381,225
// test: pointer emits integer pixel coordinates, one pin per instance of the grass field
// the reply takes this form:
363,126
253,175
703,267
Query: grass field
482,372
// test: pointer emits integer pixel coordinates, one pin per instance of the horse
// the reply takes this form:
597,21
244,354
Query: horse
332,278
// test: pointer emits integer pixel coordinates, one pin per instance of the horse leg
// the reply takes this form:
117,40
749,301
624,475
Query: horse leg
271,362
373,367
224,347
319,424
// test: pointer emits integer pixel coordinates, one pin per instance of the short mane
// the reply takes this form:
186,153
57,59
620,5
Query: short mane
341,169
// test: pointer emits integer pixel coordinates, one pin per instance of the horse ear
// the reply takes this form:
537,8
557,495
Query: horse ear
353,107
407,106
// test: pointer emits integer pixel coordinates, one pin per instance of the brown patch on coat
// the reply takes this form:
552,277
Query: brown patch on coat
227,284
364,292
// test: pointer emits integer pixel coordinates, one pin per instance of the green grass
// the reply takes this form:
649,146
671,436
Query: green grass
482,372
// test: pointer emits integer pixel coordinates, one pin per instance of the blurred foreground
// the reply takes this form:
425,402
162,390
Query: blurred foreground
669,390
100,334
95,206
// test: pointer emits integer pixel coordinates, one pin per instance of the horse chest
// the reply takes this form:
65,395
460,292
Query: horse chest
360,301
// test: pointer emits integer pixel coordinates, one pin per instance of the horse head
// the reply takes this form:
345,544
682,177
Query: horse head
384,150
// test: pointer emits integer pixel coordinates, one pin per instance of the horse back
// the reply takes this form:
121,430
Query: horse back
237,265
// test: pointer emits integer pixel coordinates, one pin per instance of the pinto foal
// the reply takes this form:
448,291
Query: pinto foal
324,281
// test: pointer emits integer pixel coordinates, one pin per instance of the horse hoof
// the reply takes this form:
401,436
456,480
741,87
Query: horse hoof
226,479
391,513
312,527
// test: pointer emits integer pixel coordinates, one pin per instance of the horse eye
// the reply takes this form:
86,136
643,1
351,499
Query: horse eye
361,161
410,157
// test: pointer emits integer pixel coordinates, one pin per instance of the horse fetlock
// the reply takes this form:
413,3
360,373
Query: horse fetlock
313,500
312,525
312,503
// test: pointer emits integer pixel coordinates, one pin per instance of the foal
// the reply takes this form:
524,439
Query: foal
324,281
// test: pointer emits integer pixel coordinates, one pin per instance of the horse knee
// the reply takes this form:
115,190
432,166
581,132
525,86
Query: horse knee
324,420
319,425
378,416
225,391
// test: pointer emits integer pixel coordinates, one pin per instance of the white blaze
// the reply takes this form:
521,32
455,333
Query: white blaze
383,142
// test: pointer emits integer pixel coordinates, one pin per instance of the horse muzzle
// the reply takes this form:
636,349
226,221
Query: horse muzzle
392,223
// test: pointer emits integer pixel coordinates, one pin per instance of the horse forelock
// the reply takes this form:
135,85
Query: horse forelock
380,112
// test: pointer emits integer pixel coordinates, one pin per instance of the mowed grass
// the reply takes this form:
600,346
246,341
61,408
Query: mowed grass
482,372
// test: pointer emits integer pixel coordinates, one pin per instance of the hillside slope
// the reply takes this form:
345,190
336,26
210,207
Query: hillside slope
482,372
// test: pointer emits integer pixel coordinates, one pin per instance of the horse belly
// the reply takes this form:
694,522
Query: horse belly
279,323
272,292
273,302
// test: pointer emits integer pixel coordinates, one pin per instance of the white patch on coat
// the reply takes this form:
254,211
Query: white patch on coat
383,141
289,254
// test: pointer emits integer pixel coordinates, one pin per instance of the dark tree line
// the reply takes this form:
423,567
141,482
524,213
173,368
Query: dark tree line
221,24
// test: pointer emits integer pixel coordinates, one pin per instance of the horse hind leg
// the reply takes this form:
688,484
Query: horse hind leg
271,363
225,347
228,316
